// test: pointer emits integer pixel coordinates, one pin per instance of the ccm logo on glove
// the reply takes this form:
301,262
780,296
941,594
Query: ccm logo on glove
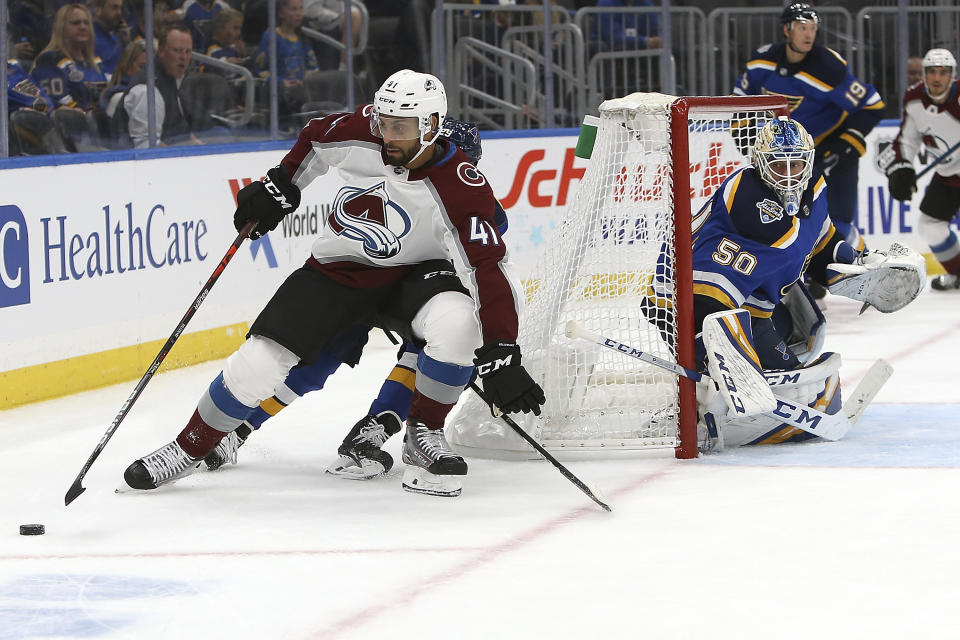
505,382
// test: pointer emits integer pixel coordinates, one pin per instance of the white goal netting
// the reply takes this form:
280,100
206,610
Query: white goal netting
611,266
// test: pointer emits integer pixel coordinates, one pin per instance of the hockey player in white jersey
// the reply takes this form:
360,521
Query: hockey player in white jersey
931,116
408,205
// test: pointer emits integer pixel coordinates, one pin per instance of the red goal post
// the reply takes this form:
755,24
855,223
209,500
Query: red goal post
682,110
620,264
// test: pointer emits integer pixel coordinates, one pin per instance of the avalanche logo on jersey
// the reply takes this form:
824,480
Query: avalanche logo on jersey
371,217
770,211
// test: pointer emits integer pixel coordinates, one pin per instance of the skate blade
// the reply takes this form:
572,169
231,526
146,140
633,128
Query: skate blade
346,468
418,480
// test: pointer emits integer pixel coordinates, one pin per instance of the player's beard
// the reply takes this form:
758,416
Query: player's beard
405,157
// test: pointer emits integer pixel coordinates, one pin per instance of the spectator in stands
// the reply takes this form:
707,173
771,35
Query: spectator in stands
24,93
294,56
67,68
111,33
914,70
29,30
198,14
226,44
628,31
129,66
163,17
327,16
173,124
32,132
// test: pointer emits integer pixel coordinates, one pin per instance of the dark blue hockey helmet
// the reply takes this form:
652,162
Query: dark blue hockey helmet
465,135
799,11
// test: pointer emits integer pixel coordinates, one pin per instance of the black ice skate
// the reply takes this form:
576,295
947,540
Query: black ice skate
226,450
945,282
168,463
432,467
361,456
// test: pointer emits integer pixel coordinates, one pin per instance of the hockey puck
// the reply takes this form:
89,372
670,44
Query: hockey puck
32,529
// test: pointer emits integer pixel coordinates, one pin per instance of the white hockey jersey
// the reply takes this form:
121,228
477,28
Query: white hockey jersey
384,219
937,126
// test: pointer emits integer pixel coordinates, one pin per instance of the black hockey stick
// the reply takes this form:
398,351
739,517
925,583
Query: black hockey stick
536,445
76,489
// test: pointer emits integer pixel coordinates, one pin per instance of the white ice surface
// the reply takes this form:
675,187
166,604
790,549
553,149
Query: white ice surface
854,539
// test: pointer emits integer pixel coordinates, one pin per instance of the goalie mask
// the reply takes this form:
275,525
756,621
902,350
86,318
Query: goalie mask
783,156
939,58
403,106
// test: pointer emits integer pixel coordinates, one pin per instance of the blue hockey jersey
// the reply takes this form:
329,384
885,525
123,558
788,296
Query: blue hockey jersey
823,95
22,92
295,57
747,250
69,82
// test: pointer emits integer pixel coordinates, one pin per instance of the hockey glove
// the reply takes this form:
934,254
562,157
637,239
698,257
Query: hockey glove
902,182
842,151
266,201
506,383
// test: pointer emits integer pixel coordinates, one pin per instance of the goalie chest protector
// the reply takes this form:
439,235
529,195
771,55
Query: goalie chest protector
747,250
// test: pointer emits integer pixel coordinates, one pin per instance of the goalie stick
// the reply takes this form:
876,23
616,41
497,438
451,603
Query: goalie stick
873,380
536,445
76,488
824,425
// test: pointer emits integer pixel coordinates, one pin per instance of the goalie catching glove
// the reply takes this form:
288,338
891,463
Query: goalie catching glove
266,201
506,383
888,280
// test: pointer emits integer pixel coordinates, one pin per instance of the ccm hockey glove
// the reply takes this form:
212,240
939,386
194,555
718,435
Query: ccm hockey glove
506,383
266,201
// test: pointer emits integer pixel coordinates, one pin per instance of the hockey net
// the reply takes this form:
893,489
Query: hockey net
619,264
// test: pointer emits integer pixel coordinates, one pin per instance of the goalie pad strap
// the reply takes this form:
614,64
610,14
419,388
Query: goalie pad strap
809,331
733,363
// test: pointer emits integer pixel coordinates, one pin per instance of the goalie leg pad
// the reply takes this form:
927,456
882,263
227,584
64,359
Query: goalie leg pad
733,363
887,280
816,385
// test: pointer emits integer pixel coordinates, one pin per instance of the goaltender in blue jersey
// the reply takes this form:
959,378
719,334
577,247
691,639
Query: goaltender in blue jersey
764,228
836,108
761,230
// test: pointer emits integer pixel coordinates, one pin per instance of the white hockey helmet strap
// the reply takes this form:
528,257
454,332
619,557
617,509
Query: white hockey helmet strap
410,94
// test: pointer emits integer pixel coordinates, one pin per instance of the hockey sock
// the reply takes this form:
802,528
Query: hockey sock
198,438
397,390
438,387
300,381
948,253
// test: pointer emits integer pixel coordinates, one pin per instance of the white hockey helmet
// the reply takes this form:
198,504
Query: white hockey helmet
780,144
940,58
409,94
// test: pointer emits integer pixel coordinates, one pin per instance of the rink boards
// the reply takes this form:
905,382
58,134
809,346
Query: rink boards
101,254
